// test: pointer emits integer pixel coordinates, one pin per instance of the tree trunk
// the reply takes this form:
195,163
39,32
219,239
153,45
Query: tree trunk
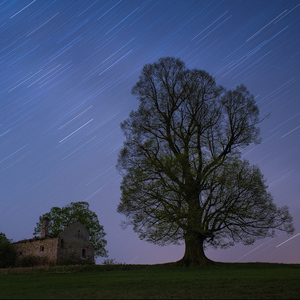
194,253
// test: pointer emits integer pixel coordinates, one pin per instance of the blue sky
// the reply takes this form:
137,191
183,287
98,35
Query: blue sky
67,69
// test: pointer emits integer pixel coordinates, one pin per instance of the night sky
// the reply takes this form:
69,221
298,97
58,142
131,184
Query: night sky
67,69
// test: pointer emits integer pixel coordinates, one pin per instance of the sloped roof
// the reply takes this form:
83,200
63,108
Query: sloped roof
36,238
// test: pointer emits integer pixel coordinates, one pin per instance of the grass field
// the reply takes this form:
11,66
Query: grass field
223,281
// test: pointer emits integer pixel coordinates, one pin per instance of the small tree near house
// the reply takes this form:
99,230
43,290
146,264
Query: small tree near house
61,218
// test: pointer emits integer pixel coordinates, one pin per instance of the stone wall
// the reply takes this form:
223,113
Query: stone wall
76,251
73,243
46,247
70,244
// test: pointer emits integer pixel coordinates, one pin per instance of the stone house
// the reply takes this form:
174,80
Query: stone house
70,244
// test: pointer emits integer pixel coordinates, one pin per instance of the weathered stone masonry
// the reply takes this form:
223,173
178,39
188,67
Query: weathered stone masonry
72,243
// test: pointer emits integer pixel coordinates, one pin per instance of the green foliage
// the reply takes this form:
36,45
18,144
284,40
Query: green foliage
32,261
183,175
110,262
7,252
3,237
60,218
71,261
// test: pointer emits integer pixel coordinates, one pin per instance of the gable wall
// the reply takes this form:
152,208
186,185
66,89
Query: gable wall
75,250
73,243
76,232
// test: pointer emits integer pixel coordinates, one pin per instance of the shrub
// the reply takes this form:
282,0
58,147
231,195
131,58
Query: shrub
111,261
32,261
73,261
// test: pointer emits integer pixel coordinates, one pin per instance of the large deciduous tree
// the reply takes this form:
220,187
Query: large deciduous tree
183,176
60,218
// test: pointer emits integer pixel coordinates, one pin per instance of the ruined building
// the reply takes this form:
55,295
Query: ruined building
70,244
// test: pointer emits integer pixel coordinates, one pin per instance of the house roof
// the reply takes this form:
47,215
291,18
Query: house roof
36,238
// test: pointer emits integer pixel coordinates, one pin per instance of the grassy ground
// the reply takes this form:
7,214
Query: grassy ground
224,281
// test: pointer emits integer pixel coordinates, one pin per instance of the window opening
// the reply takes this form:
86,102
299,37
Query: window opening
42,248
83,253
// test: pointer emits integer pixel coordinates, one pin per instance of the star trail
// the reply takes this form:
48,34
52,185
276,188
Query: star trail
67,69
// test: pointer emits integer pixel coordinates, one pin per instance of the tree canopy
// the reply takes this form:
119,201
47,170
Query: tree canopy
183,175
7,252
60,218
